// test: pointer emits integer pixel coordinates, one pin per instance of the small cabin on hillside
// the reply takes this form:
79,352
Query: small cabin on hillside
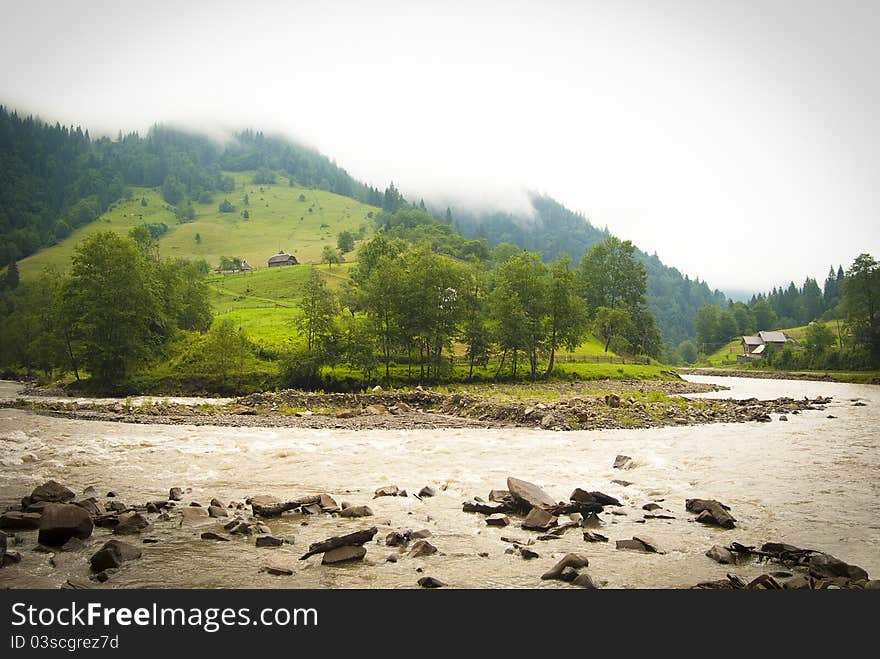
755,347
246,267
282,258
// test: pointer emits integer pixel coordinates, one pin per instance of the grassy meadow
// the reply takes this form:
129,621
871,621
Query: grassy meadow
278,220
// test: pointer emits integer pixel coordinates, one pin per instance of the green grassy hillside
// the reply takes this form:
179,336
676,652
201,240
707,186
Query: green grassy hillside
278,220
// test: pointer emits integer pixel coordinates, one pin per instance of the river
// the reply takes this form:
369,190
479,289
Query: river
811,481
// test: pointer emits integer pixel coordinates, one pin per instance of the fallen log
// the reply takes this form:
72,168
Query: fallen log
352,539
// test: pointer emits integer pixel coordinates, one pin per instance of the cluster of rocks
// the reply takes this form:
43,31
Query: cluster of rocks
805,569
577,407
64,523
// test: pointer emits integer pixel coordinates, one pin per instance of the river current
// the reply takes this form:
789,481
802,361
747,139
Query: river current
811,481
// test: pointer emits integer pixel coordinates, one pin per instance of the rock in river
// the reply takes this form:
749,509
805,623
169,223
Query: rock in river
113,554
344,554
269,541
430,582
16,521
623,462
715,512
528,493
133,523
641,543
356,511
574,561
721,555
175,493
50,492
539,519
63,521
422,548
498,519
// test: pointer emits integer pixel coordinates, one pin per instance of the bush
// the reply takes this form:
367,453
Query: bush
226,207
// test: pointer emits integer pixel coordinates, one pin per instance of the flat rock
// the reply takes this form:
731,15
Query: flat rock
591,536
16,521
539,519
529,493
62,521
828,567
497,519
210,535
269,541
277,571
356,511
191,516
641,543
528,554
721,555
574,561
387,491
344,554
651,506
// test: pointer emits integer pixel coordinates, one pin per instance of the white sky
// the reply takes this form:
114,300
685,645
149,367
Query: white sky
736,138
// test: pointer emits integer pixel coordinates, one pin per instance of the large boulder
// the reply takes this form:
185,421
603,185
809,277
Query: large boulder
61,522
16,521
50,492
113,554
529,494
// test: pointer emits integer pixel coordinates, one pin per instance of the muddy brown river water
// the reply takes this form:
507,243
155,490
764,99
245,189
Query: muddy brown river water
811,481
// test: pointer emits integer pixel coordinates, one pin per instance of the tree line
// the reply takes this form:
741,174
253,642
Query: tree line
408,304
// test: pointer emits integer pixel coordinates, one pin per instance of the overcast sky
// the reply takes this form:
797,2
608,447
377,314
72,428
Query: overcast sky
738,139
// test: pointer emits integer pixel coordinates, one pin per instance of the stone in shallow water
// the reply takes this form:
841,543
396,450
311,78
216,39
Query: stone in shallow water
61,522
431,582
529,493
269,541
113,554
344,555
356,511
16,521
539,519
721,555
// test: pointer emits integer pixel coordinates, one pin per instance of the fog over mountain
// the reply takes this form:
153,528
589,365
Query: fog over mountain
737,140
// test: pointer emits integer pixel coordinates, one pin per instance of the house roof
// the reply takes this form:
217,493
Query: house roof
281,256
759,350
773,337
752,340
